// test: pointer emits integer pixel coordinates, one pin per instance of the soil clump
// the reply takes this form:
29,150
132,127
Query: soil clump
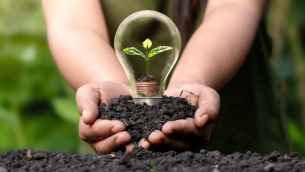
144,160
141,119
147,78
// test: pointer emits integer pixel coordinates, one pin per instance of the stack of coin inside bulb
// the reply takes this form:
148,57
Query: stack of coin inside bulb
147,85
147,88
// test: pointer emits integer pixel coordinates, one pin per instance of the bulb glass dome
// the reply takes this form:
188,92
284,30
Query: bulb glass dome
147,44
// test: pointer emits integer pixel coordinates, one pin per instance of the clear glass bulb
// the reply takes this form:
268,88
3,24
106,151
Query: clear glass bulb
147,42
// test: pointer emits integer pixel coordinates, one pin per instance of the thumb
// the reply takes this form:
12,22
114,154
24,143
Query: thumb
205,116
207,111
87,102
201,118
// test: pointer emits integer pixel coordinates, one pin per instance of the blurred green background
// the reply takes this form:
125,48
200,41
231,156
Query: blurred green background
37,108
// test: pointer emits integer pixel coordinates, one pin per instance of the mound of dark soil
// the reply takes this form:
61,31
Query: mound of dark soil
141,120
143,160
147,78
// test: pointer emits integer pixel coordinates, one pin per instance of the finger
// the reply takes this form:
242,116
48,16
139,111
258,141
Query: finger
208,107
99,130
144,143
130,146
182,127
201,118
112,143
87,100
159,138
205,115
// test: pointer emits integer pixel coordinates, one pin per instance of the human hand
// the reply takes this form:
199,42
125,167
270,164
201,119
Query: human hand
103,135
188,133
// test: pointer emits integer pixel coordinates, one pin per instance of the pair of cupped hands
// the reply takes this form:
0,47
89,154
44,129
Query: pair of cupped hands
109,135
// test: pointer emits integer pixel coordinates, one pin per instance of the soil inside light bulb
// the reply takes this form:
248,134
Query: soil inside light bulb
147,78
147,85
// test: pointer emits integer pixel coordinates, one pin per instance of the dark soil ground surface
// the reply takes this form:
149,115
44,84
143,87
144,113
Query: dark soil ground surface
147,78
141,120
143,160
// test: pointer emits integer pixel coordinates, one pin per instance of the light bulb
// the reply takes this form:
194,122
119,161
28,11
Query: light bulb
147,44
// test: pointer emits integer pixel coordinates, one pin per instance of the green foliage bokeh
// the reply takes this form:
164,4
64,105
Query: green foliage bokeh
34,97
37,108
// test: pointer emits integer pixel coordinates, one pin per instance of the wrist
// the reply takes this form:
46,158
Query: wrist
183,83
182,87
123,84
196,79
120,82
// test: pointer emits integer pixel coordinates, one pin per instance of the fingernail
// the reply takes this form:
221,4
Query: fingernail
84,114
204,119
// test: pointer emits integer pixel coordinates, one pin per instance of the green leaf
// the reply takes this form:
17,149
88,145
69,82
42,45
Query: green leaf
154,168
10,72
9,117
133,51
66,109
158,50
147,43
296,136
10,140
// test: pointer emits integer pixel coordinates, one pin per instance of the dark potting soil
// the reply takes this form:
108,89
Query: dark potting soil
141,119
147,161
147,78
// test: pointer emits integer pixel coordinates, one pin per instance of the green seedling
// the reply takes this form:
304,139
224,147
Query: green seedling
154,168
146,44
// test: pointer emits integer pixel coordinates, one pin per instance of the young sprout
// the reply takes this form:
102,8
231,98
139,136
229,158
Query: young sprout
146,44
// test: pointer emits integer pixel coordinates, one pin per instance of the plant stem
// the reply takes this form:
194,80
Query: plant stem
147,62
147,65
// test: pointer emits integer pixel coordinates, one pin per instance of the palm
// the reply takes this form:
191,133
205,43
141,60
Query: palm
103,135
188,133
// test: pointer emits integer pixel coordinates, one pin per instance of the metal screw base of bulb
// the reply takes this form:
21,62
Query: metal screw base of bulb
149,100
